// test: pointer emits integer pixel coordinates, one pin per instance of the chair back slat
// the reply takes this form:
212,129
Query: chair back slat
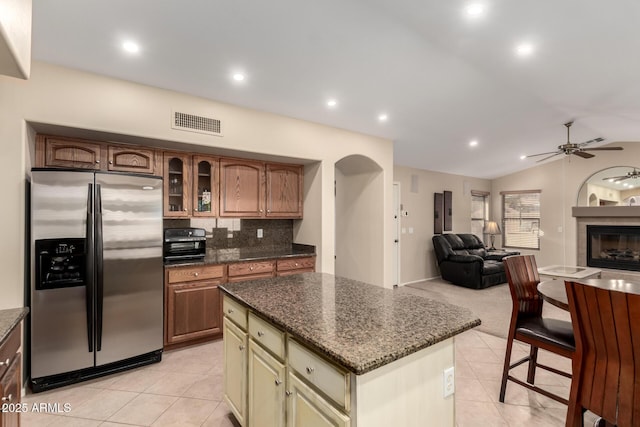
607,335
523,278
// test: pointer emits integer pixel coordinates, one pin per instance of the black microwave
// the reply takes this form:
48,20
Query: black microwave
184,244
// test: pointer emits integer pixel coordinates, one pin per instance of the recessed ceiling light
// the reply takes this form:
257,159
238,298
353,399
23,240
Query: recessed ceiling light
474,10
625,184
238,77
131,46
523,157
524,49
383,117
332,103
473,143
611,180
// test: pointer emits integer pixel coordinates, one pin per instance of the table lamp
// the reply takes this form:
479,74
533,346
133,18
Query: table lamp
492,228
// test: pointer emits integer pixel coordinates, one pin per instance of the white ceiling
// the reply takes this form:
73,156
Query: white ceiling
442,78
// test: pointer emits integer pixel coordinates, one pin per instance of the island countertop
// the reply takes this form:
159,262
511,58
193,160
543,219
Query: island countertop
356,325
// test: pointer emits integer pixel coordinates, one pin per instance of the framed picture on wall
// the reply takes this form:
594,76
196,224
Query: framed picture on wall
448,215
438,207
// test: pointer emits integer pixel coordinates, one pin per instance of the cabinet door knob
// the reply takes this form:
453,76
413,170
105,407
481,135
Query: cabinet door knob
296,264
288,393
230,310
278,381
260,333
5,363
97,162
240,347
268,210
185,209
260,210
7,398
310,369
195,274
110,162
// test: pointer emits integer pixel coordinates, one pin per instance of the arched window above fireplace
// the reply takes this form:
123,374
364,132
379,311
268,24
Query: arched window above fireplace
615,186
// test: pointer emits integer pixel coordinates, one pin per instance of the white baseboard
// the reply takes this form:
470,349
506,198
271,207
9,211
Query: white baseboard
420,280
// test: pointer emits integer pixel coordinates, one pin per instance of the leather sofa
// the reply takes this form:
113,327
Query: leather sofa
465,261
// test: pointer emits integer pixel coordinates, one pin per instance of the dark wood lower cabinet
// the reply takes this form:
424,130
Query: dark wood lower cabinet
193,304
11,379
193,307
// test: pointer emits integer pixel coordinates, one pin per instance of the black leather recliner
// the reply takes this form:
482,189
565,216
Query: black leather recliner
463,260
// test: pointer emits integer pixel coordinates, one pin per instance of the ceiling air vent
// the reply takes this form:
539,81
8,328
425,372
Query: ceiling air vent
193,123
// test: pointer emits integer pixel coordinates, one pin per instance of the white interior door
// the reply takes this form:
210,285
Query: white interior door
396,232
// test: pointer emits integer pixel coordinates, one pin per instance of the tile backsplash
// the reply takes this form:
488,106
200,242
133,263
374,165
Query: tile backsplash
228,233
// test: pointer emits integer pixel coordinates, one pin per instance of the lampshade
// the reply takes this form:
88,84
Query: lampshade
492,227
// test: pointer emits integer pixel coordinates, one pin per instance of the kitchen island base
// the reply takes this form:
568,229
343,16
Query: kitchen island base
316,350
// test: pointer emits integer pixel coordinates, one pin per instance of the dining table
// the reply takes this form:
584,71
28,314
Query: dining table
554,292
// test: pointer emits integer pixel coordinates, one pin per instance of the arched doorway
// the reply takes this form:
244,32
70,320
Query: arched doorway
359,219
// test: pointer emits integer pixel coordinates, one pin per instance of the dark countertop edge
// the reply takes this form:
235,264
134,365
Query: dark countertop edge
356,369
9,319
252,258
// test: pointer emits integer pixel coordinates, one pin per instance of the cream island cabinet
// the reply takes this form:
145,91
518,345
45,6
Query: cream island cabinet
317,350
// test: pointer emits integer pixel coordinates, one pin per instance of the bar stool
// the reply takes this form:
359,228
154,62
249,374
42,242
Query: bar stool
528,326
606,375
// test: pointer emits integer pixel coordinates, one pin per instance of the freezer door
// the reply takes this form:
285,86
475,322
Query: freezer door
129,304
60,339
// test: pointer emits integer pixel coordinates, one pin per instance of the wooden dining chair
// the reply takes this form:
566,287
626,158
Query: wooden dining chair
606,366
528,326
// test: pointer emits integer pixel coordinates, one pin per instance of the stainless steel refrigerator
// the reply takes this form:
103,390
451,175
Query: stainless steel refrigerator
96,275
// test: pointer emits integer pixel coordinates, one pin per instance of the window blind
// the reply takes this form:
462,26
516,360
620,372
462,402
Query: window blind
521,219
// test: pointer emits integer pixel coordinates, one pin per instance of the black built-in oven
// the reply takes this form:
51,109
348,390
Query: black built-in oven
183,244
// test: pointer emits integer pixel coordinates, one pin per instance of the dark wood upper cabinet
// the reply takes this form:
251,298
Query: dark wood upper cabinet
205,185
241,188
130,159
284,190
177,185
69,153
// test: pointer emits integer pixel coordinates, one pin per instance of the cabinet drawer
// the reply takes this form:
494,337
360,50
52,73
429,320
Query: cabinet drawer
328,378
235,312
267,335
245,268
189,274
9,349
296,263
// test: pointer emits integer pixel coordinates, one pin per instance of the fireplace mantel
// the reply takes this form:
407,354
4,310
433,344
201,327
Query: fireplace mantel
605,211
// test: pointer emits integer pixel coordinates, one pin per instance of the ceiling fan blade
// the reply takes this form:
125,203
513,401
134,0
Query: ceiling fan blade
602,149
583,154
542,154
553,155
616,178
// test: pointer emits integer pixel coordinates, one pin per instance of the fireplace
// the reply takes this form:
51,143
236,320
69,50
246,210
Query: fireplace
611,246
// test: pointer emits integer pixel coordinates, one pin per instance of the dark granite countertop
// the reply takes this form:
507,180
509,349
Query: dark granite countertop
356,325
225,256
9,318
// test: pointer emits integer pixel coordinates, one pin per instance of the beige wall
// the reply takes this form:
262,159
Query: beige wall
560,182
417,259
64,97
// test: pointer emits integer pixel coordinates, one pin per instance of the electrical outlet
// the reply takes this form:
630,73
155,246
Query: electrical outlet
260,234
448,382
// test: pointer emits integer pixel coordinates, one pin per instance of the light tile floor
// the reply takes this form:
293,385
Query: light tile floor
185,389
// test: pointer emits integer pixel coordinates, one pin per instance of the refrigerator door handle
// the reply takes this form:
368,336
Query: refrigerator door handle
99,267
89,280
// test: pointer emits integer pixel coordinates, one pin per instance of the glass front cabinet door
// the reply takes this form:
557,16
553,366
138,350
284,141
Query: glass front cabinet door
177,180
205,186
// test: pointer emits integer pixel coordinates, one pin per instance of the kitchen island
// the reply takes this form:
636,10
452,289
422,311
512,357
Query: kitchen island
315,349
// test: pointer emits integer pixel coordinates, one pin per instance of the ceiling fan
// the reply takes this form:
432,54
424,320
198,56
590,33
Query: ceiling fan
577,149
633,174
